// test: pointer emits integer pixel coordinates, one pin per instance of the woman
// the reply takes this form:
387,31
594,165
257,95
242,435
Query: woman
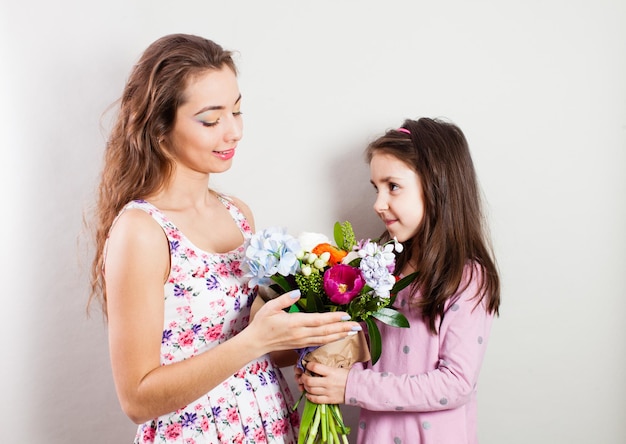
189,348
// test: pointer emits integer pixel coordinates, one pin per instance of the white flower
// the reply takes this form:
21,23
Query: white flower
309,240
377,264
325,256
320,264
350,257
397,245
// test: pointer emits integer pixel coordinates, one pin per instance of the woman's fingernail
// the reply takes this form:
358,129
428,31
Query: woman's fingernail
294,294
345,318
356,328
352,333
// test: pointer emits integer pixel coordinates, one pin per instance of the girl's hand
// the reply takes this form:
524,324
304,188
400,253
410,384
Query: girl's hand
328,387
273,329
297,372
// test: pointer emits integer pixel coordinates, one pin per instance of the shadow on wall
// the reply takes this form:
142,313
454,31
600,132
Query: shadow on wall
353,192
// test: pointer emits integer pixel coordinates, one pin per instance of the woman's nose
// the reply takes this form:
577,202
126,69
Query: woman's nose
234,131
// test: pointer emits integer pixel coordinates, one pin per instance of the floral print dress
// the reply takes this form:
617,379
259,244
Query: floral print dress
207,301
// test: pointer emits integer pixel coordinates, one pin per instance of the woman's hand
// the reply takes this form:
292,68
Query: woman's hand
274,329
328,386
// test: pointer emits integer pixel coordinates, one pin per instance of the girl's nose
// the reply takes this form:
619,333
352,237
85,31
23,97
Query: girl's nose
380,204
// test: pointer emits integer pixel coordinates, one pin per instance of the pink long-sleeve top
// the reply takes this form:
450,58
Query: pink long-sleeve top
423,388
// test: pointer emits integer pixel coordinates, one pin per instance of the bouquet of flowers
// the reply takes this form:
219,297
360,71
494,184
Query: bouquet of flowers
355,277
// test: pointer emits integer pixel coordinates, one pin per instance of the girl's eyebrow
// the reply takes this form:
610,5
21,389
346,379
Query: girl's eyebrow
215,107
387,179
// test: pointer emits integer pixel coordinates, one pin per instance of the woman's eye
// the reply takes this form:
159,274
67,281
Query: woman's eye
237,113
393,187
209,124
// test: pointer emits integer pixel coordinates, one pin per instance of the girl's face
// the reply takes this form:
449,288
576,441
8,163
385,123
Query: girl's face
208,125
400,201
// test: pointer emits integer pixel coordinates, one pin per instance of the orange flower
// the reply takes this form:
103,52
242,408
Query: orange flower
336,255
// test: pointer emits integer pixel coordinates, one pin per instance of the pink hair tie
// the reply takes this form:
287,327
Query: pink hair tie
404,130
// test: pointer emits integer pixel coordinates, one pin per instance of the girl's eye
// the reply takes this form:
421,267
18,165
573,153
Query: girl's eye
237,113
393,187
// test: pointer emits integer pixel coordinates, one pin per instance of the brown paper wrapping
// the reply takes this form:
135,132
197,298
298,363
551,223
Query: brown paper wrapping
342,353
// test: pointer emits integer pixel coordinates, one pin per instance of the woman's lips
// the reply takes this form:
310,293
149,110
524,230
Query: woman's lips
226,154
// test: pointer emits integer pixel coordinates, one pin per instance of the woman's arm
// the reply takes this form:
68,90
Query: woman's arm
137,264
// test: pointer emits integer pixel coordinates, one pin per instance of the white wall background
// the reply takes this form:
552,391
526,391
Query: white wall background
539,87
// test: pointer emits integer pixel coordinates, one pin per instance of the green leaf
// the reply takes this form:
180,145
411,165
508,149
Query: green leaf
344,236
308,414
282,282
338,235
391,317
314,303
403,283
376,346
355,262
277,288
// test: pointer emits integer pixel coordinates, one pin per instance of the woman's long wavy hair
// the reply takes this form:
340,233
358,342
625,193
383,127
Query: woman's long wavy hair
137,162
453,231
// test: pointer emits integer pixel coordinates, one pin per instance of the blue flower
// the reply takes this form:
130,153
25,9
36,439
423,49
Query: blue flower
212,283
167,335
189,419
216,410
269,252
179,290
174,245
272,376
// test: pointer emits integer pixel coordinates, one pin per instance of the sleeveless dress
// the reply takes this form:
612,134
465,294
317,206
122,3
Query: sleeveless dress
207,301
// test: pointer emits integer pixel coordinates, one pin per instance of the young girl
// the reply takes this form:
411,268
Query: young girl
423,388
189,364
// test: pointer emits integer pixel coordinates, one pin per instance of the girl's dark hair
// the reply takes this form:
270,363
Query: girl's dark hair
137,161
453,232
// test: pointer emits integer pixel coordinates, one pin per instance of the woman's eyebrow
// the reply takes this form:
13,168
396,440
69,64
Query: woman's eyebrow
215,107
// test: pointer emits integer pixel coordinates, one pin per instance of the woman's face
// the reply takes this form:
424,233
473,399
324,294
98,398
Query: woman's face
400,200
208,125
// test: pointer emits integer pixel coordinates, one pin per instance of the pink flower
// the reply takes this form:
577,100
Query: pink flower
213,333
173,431
343,283
185,338
279,428
259,435
232,415
149,434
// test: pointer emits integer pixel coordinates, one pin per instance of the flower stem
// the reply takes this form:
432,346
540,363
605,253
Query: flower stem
333,432
324,420
314,427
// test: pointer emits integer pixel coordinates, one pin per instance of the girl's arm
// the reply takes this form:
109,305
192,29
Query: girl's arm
463,338
136,267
